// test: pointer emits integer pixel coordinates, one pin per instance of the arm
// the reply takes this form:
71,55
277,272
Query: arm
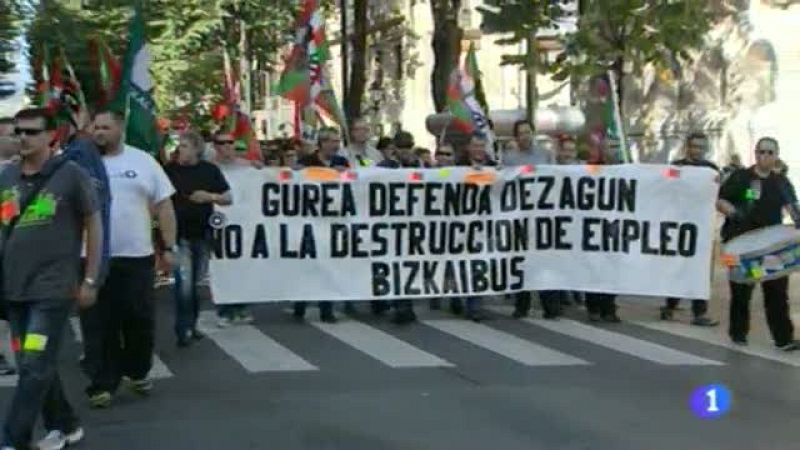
223,199
93,227
165,214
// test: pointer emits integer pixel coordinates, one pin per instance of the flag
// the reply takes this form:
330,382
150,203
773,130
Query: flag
462,117
109,71
134,96
231,117
612,118
59,95
471,67
304,79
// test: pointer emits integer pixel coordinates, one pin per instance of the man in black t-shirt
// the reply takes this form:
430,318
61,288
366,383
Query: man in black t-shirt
329,141
751,199
695,148
199,185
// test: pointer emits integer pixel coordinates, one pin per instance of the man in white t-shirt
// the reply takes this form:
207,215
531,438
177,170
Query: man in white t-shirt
359,153
124,317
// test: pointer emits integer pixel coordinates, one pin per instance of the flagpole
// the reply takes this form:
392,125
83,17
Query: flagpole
618,118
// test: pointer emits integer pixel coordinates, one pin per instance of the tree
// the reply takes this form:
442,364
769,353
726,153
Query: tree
520,21
9,31
620,34
446,43
358,62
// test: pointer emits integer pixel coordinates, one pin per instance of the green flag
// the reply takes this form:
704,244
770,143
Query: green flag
135,92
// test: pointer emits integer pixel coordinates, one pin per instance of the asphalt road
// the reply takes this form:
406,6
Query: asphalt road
446,383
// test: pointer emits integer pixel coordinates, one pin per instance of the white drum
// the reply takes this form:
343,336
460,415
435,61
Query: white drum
763,254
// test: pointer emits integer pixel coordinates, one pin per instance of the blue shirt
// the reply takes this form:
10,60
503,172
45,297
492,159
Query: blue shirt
84,152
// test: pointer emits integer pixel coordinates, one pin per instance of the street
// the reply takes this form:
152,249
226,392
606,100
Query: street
447,383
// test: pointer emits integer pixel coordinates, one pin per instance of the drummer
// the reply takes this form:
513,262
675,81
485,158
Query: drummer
751,199
695,149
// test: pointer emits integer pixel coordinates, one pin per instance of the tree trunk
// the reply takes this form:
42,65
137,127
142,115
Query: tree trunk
446,45
358,67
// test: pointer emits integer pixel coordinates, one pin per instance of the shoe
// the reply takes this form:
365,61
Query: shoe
667,313
595,317
476,316
328,318
184,341
703,321
224,322
404,318
100,400
196,335
243,318
519,314
742,342
550,316
5,367
611,318
57,440
789,347
142,387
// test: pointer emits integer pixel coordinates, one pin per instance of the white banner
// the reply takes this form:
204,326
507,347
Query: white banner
319,234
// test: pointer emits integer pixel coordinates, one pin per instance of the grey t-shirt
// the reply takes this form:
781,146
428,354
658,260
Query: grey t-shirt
41,261
535,155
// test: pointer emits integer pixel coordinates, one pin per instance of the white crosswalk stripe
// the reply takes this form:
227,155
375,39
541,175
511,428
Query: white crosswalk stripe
714,337
159,369
623,343
379,345
508,345
251,348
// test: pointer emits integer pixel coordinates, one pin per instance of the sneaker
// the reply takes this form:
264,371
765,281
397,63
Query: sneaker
703,321
224,322
328,318
196,335
595,317
611,318
5,367
243,318
57,440
142,387
184,341
100,400
741,342
789,347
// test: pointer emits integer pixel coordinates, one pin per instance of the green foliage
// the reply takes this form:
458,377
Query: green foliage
186,40
10,14
638,32
517,20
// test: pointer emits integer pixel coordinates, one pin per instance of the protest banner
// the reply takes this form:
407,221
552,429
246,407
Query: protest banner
322,234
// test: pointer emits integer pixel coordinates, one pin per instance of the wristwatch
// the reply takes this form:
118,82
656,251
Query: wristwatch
91,282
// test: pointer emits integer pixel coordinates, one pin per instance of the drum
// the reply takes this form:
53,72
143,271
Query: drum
763,254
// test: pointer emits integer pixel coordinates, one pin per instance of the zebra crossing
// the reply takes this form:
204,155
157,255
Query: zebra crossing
255,351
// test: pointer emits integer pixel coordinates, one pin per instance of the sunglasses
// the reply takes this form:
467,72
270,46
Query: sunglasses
765,152
27,131
223,142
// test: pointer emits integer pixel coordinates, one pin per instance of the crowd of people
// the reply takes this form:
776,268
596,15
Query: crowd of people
78,229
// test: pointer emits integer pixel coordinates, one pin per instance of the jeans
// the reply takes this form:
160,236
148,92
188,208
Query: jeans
187,275
551,302
775,304
37,330
122,324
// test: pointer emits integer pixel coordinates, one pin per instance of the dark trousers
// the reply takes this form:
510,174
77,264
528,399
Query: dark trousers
187,275
775,304
603,304
325,308
122,324
550,301
37,330
403,307
699,307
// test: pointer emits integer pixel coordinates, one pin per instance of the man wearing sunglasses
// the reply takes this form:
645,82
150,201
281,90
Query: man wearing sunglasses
755,198
695,150
43,283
